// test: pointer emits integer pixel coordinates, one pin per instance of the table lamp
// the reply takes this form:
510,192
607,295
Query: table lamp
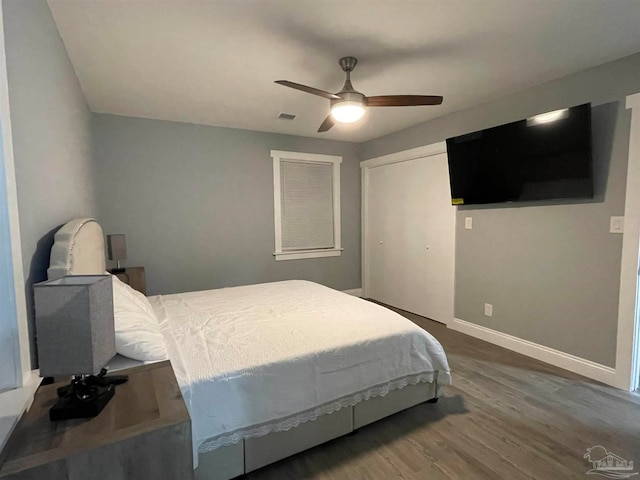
117,250
75,335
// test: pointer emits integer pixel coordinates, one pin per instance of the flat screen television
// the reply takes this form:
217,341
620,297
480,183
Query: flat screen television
543,157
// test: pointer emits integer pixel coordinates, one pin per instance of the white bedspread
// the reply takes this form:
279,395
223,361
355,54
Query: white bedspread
260,358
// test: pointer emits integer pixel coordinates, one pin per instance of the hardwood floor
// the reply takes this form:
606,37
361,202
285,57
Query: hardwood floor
506,417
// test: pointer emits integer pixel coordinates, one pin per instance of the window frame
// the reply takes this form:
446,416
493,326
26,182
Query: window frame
278,157
14,401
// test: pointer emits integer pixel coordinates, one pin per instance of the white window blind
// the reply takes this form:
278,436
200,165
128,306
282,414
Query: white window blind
307,205
306,195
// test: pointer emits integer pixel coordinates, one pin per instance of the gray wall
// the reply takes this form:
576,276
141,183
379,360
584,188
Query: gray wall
196,203
551,271
51,133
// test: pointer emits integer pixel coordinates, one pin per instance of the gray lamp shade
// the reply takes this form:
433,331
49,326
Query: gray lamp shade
74,324
116,247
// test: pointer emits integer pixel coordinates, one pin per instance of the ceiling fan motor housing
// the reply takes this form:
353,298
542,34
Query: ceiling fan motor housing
350,96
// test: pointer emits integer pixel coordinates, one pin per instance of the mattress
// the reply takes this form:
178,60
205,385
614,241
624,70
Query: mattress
261,358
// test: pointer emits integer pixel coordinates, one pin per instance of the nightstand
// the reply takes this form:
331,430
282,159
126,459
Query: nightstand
143,433
134,277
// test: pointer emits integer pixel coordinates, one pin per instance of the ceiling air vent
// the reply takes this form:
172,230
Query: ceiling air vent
286,116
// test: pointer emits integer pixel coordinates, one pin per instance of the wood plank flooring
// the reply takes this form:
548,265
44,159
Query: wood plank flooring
506,417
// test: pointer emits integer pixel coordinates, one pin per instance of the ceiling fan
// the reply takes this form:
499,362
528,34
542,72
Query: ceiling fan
348,105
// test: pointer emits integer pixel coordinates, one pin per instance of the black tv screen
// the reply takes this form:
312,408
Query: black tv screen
543,157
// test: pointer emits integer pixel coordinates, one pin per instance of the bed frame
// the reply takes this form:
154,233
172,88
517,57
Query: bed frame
79,250
253,453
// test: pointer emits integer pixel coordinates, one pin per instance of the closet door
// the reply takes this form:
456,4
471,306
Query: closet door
410,237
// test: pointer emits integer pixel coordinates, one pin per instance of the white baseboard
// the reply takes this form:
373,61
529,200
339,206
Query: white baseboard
578,365
356,292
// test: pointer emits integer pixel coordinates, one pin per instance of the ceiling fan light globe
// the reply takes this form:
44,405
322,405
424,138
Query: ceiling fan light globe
347,111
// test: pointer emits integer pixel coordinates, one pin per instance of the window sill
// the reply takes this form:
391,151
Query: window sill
14,403
300,254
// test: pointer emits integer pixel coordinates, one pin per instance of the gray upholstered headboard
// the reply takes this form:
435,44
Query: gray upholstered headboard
78,249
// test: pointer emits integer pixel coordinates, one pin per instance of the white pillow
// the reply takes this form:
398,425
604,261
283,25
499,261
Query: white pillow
138,335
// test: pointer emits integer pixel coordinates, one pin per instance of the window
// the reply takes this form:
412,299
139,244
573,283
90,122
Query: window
306,199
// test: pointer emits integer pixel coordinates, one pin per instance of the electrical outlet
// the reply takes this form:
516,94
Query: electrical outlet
488,310
468,223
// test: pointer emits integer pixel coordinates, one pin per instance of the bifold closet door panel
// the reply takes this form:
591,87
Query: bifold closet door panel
410,237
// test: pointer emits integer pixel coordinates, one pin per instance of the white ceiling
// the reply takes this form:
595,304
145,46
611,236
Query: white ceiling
214,62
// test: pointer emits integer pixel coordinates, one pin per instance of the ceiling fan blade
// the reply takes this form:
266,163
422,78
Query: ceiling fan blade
327,124
306,89
403,100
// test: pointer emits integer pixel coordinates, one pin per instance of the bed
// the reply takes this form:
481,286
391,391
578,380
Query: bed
272,369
